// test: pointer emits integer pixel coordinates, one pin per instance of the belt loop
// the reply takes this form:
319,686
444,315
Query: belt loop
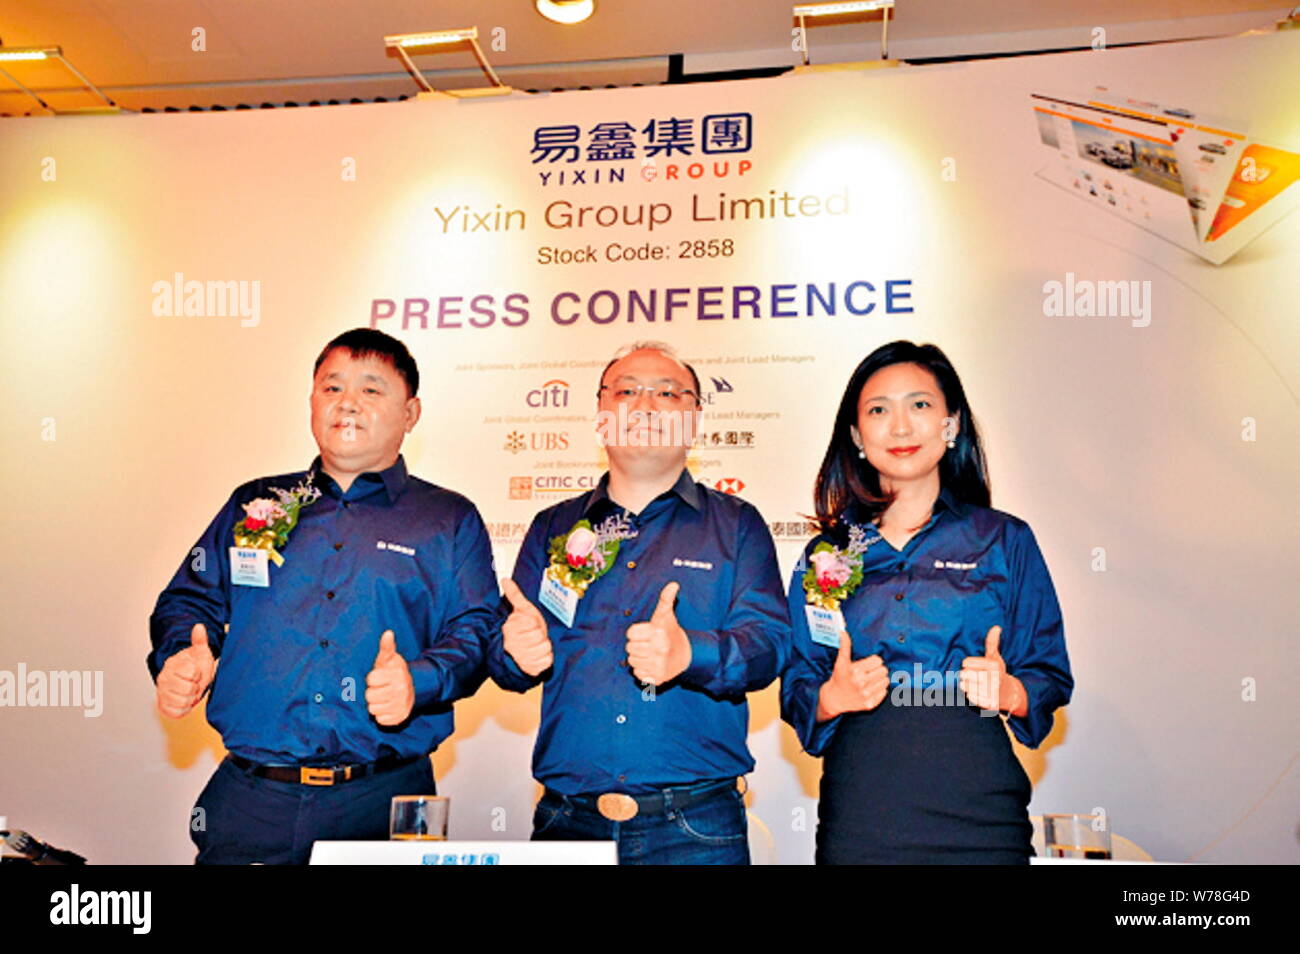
668,803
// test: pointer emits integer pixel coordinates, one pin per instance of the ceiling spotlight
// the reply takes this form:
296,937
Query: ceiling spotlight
566,11
802,11
403,45
18,54
836,9
15,53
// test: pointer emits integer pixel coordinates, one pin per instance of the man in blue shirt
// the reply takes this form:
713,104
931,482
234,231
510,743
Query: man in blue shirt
661,606
333,671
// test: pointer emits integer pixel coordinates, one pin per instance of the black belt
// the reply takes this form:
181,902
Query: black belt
617,806
321,774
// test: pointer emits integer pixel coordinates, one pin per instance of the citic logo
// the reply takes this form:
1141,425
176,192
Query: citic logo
730,485
551,394
564,483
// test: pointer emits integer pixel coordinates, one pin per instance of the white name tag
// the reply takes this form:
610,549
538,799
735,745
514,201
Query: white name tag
824,625
248,567
559,599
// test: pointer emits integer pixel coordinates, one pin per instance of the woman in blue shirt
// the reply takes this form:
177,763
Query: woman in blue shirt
950,618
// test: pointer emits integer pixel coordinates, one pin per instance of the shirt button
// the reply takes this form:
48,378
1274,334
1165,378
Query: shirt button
627,612
631,564
621,719
902,639
622,778
623,663
320,750
346,505
338,546
318,697
324,644
898,596
329,594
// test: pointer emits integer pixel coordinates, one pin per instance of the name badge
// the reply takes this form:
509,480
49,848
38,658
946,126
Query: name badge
824,625
248,567
559,599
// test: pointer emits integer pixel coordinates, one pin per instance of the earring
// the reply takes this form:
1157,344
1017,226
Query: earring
862,455
952,444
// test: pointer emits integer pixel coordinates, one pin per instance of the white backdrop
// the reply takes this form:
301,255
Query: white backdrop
125,429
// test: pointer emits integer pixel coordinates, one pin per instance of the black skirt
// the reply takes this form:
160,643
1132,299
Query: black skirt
922,785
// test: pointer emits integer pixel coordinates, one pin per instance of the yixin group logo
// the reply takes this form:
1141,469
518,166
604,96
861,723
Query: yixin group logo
668,148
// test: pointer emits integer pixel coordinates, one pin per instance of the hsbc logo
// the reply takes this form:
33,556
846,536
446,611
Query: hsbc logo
554,393
729,485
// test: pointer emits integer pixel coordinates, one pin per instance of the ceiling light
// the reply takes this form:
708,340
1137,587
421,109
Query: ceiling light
15,54
802,11
27,52
566,11
440,41
835,9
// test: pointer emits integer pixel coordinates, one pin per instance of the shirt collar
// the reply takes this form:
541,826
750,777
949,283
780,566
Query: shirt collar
393,478
685,488
948,501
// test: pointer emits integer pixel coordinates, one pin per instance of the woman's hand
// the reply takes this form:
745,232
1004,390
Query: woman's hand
986,682
854,685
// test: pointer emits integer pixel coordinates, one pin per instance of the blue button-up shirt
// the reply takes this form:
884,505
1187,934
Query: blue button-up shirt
932,604
600,729
393,552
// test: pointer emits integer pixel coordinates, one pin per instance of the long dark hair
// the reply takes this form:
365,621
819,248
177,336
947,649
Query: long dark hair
846,479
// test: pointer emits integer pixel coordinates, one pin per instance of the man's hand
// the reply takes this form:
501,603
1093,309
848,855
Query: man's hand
524,632
659,651
186,675
855,685
390,692
986,682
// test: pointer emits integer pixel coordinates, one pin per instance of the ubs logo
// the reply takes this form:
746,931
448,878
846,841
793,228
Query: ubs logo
554,393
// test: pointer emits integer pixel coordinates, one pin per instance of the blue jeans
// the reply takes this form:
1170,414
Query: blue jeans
248,819
712,831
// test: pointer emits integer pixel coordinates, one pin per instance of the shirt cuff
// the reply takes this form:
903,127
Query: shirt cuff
706,656
428,681
1031,728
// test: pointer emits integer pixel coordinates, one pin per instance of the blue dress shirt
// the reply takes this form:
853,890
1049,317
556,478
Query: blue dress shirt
393,552
600,729
932,604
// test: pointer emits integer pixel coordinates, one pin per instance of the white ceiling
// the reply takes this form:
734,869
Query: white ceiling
273,51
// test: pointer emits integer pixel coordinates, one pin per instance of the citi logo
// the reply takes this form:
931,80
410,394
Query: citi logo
554,393
730,485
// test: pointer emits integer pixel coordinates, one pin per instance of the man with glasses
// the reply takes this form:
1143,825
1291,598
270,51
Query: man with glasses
647,608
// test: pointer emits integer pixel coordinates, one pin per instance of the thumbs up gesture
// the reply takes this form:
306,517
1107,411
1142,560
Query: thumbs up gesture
186,675
986,682
524,632
855,685
390,691
658,651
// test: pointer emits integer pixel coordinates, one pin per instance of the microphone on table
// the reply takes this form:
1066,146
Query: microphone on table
37,852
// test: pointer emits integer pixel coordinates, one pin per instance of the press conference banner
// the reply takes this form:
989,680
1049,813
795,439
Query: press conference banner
169,280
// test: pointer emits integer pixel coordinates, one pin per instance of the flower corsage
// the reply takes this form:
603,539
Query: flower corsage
584,554
833,572
267,522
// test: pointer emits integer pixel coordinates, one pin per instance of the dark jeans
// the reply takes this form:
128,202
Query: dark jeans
712,831
247,819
